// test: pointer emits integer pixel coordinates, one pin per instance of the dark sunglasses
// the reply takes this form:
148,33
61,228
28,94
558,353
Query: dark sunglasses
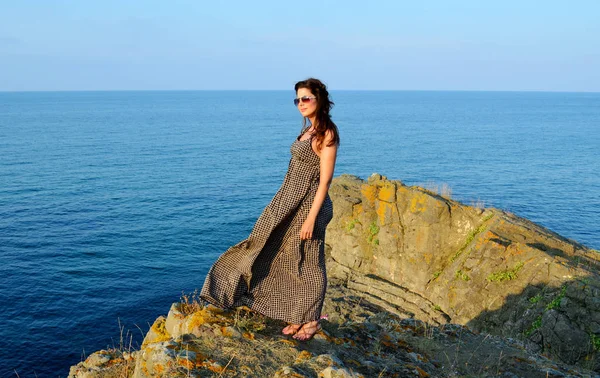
304,99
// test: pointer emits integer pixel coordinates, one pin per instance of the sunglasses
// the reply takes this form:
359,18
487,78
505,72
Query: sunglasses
304,99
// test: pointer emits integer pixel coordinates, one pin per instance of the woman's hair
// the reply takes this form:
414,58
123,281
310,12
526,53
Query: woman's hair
323,120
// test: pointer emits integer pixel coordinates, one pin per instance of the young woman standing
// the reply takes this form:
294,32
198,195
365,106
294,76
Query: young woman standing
279,270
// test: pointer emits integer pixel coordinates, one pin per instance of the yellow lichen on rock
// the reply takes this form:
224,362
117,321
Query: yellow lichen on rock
387,213
303,356
157,332
417,203
387,192
196,319
186,363
214,366
369,192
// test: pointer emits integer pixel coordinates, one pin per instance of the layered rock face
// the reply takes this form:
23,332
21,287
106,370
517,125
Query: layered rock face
421,255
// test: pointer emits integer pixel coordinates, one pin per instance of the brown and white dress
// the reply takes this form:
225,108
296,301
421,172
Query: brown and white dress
273,271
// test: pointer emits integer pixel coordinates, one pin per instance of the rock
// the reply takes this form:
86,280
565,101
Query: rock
416,357
328,360
97,359
418,254
157,332
370,342
187,355
205,330
157,360
290,372
104,364
198,323
231,332
174,321
419,285
563,337
336,372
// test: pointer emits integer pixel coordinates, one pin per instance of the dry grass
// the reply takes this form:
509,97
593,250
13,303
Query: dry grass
446,191
190,303
125,363
442,189
122,361
478,204
247,320
257,353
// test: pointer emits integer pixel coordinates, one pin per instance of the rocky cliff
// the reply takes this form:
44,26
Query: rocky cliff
421,255
420,285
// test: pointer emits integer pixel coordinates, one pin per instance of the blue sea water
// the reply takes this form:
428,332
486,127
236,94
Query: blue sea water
114,203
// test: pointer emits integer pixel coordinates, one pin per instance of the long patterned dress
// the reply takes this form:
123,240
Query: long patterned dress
273,271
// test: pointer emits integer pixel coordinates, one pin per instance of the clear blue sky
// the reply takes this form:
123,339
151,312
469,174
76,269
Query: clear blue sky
428,45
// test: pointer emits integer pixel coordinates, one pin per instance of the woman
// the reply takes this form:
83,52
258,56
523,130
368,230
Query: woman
279,271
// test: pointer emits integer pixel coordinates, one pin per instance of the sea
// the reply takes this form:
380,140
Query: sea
115,204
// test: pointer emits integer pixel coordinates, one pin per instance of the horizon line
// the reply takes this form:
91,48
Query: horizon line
281,90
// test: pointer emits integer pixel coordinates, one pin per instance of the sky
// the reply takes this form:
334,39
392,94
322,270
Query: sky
534,45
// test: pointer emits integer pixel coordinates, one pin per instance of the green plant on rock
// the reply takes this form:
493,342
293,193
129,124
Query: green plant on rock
472,236
373,231
536,298
249,322
537,323
595,339
350,225
437,308
437,274
463,276
556,301
506,275
488,217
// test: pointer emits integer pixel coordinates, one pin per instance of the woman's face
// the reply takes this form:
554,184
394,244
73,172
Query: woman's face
307,108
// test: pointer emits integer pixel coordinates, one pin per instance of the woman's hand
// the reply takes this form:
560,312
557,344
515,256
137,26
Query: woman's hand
307,229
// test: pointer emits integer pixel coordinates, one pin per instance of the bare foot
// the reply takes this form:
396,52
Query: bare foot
307,331
291,329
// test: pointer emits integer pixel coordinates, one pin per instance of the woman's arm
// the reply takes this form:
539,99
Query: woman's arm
328,155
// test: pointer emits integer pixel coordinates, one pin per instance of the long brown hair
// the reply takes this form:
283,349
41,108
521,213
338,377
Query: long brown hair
323,120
